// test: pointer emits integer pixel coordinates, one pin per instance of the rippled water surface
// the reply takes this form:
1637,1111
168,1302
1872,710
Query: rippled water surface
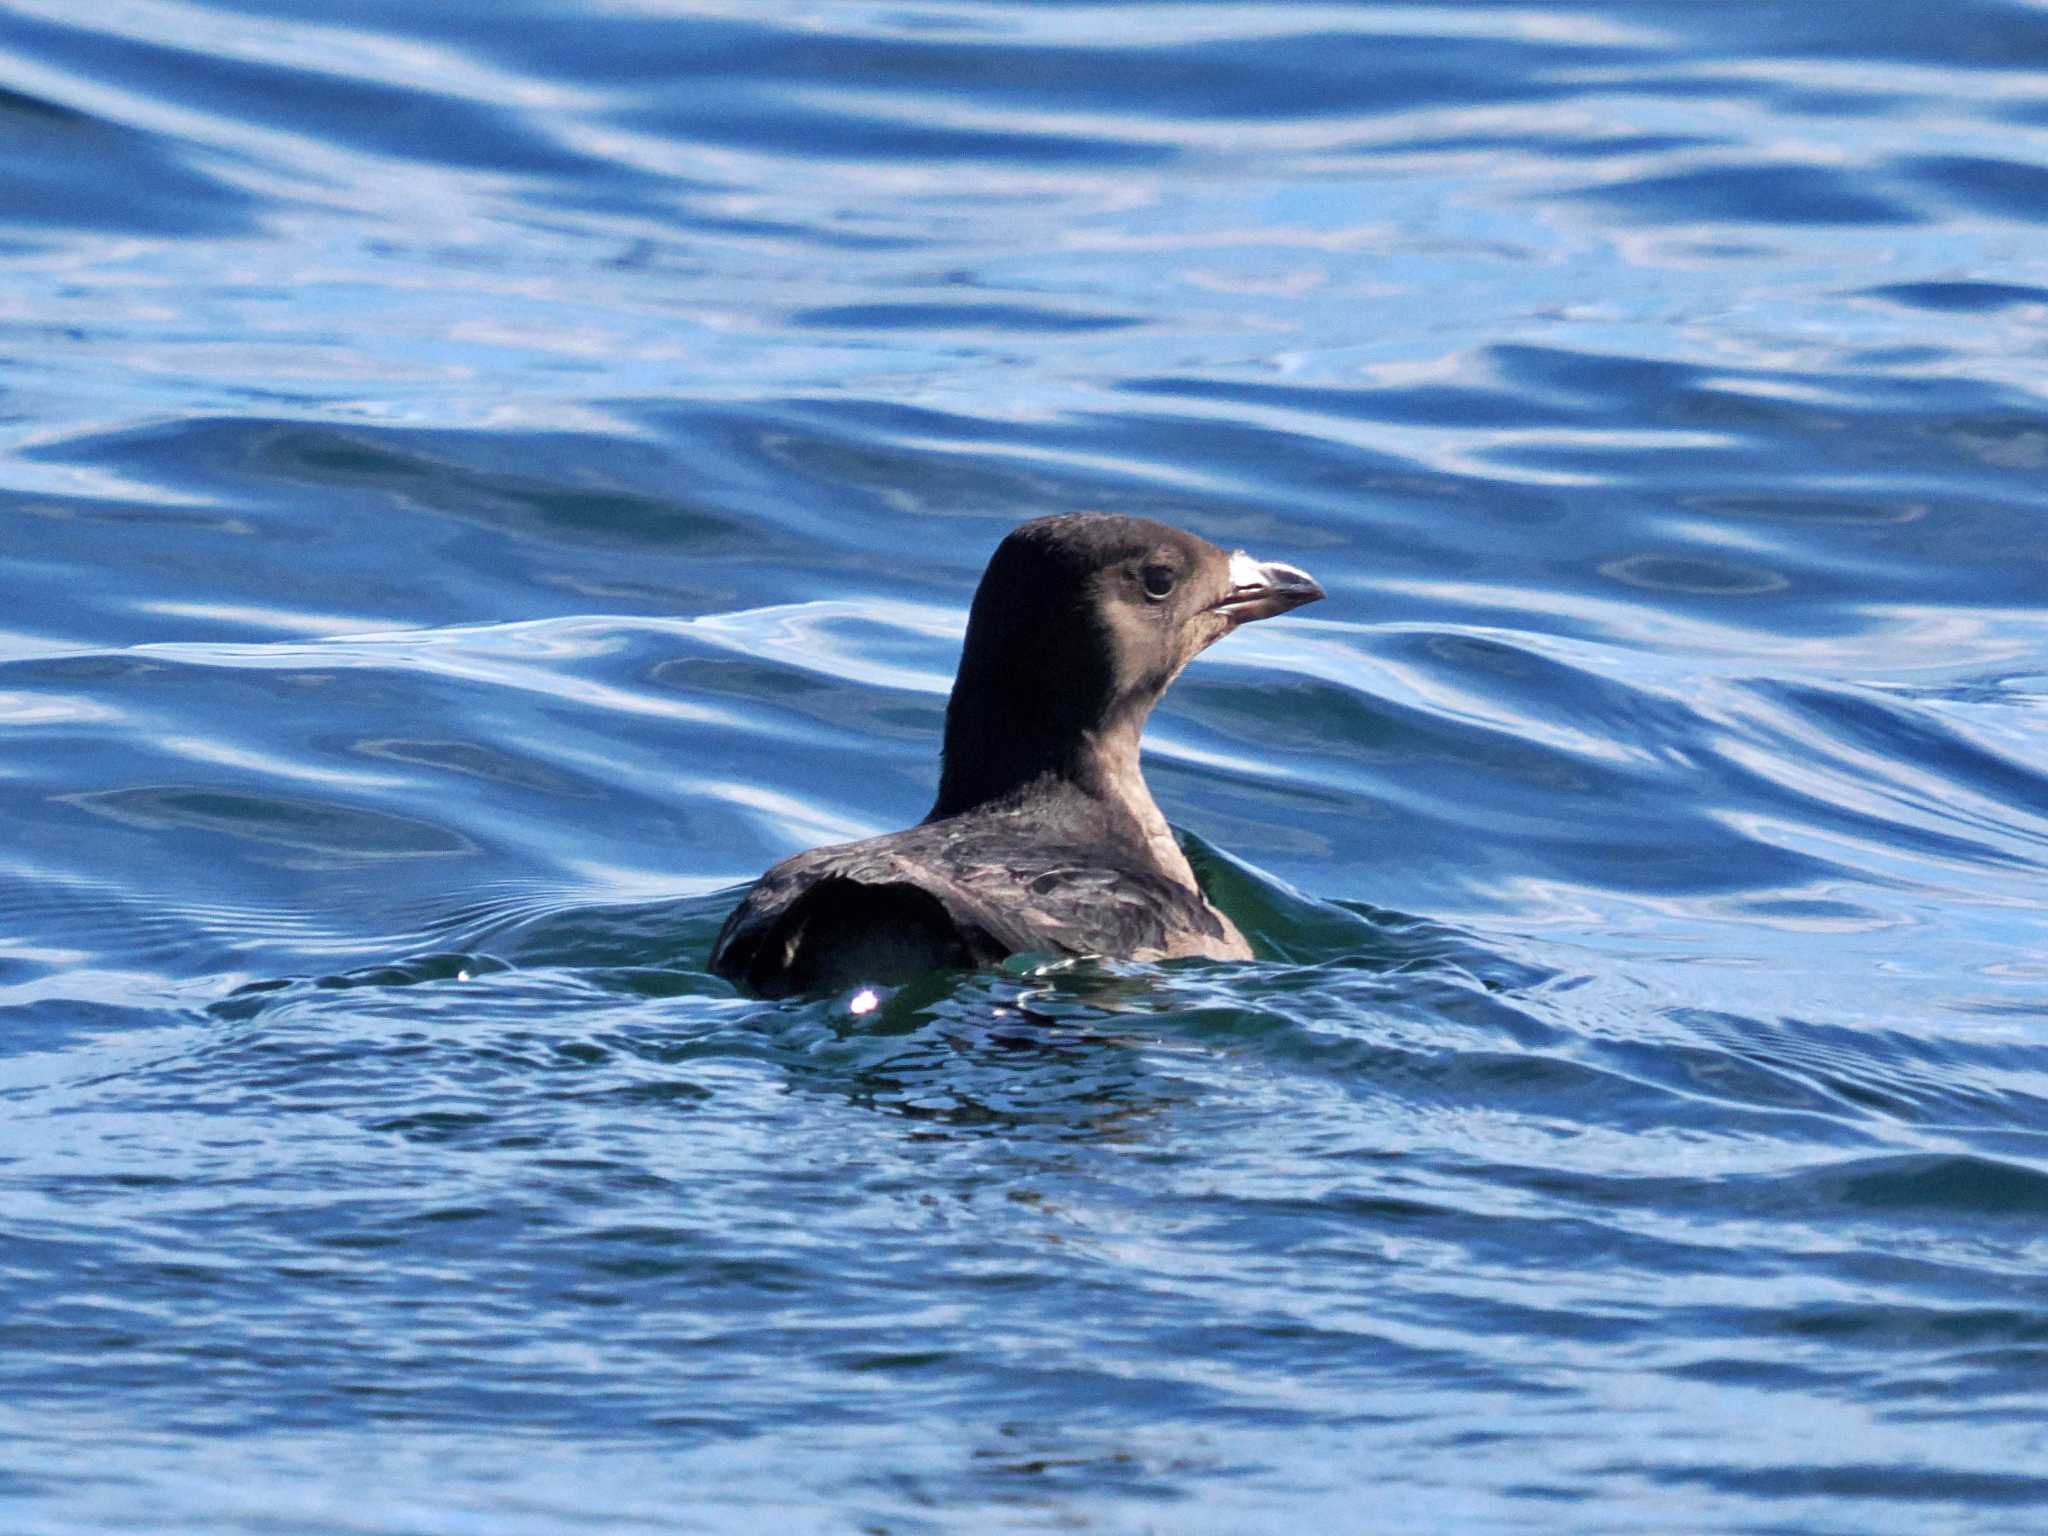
481,480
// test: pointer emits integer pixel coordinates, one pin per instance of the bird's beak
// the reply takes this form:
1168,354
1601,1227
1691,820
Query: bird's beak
1259,591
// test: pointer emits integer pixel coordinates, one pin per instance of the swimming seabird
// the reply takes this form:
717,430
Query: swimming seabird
1043,838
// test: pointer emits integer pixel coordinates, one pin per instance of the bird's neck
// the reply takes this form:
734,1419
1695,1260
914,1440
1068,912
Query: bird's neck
1113,777
1002,765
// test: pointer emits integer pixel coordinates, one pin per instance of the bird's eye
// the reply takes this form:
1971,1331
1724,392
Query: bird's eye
1159,580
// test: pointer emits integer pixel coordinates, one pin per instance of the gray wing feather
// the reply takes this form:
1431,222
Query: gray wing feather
857,912
957,893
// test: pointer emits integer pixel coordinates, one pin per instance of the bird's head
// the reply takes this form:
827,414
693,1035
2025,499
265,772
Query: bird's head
1079,624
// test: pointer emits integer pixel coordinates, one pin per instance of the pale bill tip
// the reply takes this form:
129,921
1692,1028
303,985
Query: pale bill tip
1280,573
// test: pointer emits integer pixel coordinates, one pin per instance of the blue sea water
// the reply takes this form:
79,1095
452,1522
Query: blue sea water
480,481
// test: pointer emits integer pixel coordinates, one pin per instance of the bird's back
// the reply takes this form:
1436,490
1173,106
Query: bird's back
968,890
